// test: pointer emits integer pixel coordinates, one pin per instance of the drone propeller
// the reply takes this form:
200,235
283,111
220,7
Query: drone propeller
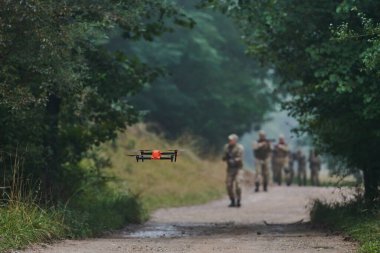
156,154
150,150
140,150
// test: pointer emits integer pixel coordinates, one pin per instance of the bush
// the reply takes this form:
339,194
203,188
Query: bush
91,214
354,218
25,223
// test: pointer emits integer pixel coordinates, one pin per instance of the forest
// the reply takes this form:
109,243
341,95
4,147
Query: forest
76,74
88,78
325,56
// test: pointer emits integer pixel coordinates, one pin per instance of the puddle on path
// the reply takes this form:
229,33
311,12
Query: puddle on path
155,230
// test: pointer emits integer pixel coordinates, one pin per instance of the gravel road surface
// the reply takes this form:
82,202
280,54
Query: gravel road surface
276,221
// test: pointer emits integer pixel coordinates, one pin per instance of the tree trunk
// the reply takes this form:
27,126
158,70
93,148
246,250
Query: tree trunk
371,184
51,145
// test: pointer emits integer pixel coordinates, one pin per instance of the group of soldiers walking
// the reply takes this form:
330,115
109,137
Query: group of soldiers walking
279,158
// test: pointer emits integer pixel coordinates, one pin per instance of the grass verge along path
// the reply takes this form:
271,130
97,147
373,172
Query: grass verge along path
353,219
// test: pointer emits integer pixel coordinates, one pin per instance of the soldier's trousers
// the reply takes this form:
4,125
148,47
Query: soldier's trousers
232,183
262,172
315,177
301,176
278,167
289,174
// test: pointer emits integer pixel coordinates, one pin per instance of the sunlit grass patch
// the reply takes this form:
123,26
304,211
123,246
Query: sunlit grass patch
190,180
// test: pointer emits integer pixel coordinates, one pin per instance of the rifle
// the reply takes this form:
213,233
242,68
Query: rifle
231,161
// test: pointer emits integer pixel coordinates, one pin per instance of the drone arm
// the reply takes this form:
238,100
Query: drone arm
167,153
165,158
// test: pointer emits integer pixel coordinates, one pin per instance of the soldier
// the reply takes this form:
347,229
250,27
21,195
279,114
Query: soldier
301,172
315,166
289,170
261,150
281,160
233,156
273,166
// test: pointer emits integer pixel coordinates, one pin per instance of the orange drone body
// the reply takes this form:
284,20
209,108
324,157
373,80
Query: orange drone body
156,155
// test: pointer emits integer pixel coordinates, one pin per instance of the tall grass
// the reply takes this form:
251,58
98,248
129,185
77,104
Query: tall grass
22,224
97,211
190,180
22,221
136,190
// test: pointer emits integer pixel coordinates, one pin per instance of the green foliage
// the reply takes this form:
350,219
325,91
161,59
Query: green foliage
96,211
89,214
22,224
101,204
61,90
211,88
93,208
325,54
354,219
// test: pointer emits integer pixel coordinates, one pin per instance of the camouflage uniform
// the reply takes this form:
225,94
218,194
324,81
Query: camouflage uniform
289,171
280,161
262,156
273,167
233,155
301,172
315,167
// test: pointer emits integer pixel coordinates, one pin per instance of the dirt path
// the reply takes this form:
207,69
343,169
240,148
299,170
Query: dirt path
276,221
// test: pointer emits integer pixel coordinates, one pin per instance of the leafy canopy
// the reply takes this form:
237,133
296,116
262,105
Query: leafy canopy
211,88
326,53
61,90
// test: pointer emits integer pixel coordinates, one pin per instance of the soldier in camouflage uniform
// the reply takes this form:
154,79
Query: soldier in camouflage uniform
315,167
301,172
273,167
262,150
289,170
280,159
233,156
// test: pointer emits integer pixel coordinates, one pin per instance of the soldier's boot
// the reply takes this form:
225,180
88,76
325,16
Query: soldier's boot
232,204
265,187
238,204
257,187
287,180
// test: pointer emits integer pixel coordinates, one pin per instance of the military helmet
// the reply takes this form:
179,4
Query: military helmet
233,137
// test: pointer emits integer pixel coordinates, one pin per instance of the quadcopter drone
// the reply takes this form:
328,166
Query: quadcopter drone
156,155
